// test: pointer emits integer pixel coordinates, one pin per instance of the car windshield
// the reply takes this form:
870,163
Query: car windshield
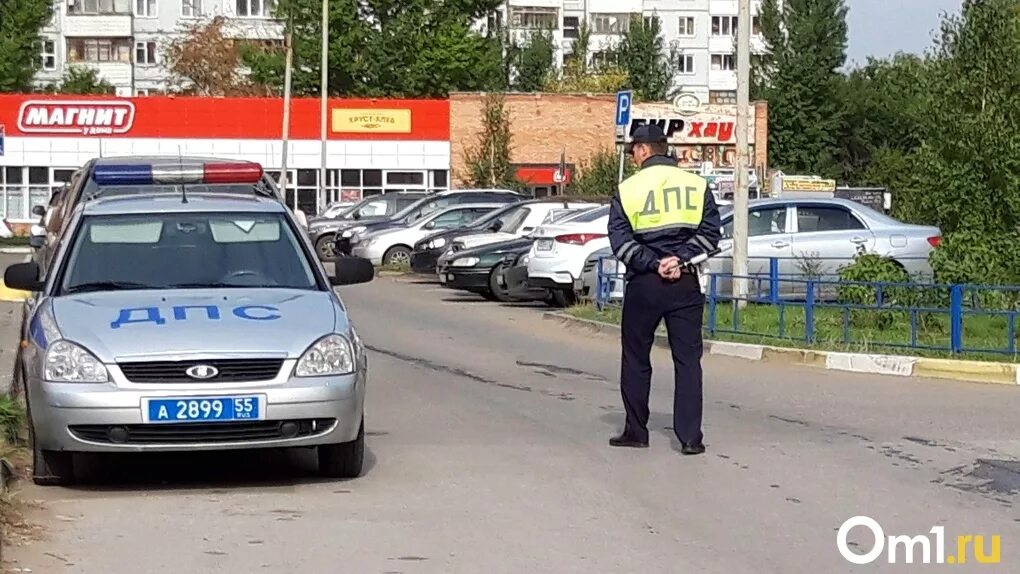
591,215
186,250
492,216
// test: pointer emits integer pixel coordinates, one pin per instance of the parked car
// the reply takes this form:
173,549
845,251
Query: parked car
322,231
201,325
419,209
557,257
512,221
392,245
613,269
813,238
479,270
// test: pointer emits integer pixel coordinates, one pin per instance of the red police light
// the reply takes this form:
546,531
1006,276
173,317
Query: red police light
247,172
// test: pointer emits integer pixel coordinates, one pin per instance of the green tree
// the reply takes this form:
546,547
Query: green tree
649,65
488,161
599,175
384,48
886,107
82,81
20,22
799,76
531,62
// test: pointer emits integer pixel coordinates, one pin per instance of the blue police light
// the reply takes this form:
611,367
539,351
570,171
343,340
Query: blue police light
180,173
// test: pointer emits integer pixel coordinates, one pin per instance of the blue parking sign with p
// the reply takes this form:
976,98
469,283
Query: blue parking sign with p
623,100
1,139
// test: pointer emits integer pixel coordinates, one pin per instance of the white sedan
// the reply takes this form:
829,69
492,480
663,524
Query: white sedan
556,260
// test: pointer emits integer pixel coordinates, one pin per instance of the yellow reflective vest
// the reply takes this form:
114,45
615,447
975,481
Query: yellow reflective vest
663,197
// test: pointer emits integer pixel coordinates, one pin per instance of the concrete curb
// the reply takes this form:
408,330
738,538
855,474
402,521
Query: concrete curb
15,250
893,365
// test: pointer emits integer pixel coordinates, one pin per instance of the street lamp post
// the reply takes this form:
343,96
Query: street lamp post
323,104
740,199
287,80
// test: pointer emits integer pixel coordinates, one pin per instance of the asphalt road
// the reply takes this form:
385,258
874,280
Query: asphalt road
487,453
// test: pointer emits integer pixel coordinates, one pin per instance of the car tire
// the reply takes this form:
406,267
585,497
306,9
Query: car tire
49,467
398,255
496,292
344,460
563,297
325,247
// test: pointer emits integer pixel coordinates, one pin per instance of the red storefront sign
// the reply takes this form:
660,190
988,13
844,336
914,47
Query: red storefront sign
544,175
223,118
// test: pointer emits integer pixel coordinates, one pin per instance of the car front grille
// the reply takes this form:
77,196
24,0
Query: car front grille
196,433
230,371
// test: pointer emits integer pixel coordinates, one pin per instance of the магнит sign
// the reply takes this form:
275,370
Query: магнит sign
95,117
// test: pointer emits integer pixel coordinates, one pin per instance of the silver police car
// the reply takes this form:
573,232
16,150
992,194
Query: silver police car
189,321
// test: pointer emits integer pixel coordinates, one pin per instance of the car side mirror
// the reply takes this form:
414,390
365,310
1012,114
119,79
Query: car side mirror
496,226
24,277
39,210
36,241
351,271
430,225
356,215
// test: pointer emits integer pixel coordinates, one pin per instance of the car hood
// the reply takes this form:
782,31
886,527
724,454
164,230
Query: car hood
479,239
215,322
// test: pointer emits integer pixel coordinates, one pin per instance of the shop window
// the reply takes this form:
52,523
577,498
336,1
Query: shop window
62,175
372,178
307,177
39,186
440,179
371,192
350,178
405,178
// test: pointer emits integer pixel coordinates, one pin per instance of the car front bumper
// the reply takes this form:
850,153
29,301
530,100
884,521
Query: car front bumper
426,261
73,416
518,286
467,278
370,252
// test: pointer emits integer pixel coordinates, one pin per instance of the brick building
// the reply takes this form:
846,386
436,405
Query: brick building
544,126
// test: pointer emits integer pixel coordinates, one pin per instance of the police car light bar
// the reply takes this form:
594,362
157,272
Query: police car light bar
182,173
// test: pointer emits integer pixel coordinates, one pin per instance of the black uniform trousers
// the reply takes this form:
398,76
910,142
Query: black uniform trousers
648,300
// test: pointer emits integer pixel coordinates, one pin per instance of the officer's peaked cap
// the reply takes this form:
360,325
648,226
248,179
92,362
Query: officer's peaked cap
647,134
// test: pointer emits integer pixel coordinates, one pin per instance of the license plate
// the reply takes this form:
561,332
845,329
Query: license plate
544,244
204,409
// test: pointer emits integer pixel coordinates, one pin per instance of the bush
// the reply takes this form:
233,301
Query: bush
979,258
600,174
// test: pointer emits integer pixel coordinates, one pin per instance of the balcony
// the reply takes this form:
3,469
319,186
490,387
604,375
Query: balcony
724,80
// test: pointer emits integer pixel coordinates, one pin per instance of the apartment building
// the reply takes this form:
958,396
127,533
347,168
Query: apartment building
125,40
703,32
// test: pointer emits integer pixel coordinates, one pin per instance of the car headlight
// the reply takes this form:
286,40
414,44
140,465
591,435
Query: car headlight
437,243
465,262
354,231
366,241
524,259
67,362
330,355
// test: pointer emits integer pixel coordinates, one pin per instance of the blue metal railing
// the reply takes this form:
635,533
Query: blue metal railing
926,315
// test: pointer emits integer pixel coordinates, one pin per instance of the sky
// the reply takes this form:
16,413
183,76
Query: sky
881,28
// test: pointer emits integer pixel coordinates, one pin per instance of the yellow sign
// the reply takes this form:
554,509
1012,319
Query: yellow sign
371,121
808,184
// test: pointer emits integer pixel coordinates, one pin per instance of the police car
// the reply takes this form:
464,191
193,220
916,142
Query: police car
189,320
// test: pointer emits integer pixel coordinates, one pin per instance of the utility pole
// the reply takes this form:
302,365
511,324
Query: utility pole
323,105
740,217
287,73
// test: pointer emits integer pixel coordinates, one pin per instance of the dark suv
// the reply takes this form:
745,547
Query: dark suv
422,207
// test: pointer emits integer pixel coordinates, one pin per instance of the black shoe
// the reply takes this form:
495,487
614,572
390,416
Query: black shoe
625,440
691,449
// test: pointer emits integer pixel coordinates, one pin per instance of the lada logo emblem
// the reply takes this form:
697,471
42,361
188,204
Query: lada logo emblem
202,372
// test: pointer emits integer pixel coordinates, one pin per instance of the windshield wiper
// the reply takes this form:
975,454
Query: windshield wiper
106,286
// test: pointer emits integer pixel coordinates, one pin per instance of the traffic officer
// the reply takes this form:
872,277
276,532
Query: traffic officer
661,218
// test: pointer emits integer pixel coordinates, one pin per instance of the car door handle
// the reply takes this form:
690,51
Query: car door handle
780,244
858,239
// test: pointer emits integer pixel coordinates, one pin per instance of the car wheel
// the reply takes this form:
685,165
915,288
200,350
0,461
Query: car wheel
496,291
563,297
325,247
49,467
344,460
398,255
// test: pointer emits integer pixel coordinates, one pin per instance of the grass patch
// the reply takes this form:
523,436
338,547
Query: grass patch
16,241
870,331
14,456
390,268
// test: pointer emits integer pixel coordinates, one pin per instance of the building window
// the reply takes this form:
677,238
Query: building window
604,59
722,97
191,8
100,7
255,8
534,17
49,55
494,21
686,64
686,29
756,25
724,62
610,23
724,25
99,50
145,9
145,53
571,26
652,22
